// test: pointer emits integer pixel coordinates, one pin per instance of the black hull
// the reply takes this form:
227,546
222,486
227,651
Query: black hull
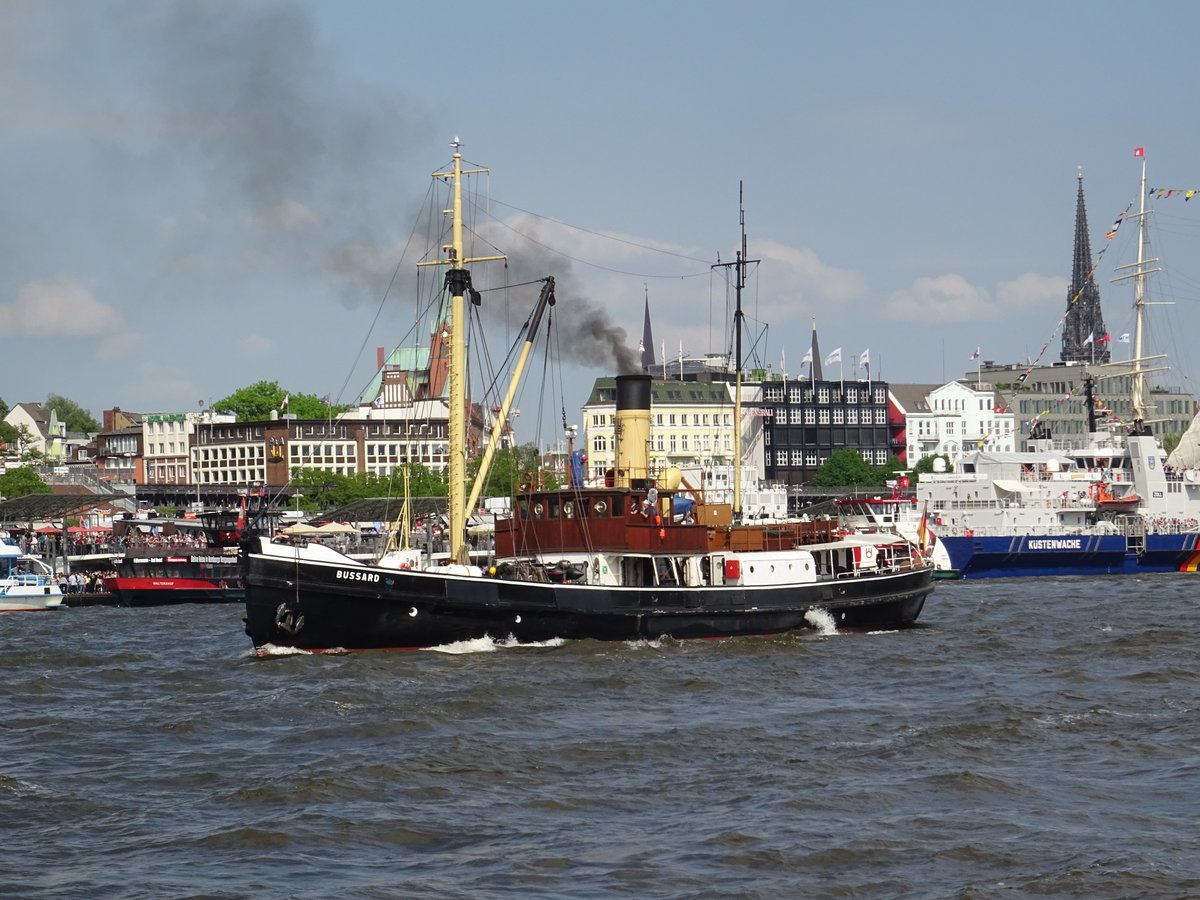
315,606
178,596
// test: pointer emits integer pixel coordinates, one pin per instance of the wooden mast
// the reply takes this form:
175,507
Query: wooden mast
458,282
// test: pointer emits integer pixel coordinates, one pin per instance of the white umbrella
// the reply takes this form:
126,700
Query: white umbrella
337,528
302,528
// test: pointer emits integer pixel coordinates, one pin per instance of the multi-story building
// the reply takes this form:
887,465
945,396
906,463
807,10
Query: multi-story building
118,453
40,429
403,416
951,420
691,429
166,439
811,419
1054,398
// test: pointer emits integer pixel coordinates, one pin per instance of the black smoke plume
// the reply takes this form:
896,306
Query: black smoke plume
587,333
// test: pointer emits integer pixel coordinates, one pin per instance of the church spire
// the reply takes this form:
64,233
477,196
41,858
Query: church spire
1084,338
647,344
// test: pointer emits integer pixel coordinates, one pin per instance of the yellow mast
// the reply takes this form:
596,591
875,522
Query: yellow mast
458,282
531,327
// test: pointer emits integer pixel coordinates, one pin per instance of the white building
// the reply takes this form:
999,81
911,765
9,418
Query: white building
953,419
166,441
691,428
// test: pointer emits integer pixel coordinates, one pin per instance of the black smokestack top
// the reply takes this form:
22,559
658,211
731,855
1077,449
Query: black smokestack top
633,392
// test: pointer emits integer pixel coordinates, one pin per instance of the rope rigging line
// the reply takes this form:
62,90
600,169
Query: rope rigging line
601,234
587,262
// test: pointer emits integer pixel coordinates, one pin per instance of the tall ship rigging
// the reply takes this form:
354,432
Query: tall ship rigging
1118,505
641,557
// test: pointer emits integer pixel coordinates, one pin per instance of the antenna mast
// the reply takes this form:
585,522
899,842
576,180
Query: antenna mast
739,267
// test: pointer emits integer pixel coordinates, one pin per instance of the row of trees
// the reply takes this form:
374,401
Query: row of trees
256,402
511,468
847,468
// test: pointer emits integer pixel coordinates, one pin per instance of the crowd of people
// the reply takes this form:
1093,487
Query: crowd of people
84,582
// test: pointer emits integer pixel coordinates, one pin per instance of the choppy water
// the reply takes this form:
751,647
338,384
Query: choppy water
1032,738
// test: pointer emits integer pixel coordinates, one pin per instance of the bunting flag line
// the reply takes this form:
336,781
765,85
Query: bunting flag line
1112,232
1162,193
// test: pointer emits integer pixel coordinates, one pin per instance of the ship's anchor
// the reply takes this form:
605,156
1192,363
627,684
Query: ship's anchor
287,621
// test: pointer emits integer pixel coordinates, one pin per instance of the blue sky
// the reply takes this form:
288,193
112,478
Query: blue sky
198,196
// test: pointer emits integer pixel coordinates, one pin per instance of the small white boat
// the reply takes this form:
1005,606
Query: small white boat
26,583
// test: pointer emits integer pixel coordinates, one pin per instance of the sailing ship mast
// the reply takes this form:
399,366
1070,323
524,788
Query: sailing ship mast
458,282
1141,405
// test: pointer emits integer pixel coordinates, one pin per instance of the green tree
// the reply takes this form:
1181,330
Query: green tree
8,433
512,467
256,402
847,468
75,417
1171,441
322,489
20,481
925,464
422,482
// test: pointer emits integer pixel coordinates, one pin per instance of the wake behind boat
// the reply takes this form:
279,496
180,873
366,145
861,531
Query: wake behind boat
635,559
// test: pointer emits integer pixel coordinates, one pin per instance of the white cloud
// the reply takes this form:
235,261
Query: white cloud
57,308
818,280
941,298
256,346
1029,291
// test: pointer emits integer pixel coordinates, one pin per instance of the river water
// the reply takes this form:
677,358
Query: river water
1032,738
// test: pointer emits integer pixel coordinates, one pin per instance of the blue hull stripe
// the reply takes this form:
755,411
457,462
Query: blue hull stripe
1108,554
